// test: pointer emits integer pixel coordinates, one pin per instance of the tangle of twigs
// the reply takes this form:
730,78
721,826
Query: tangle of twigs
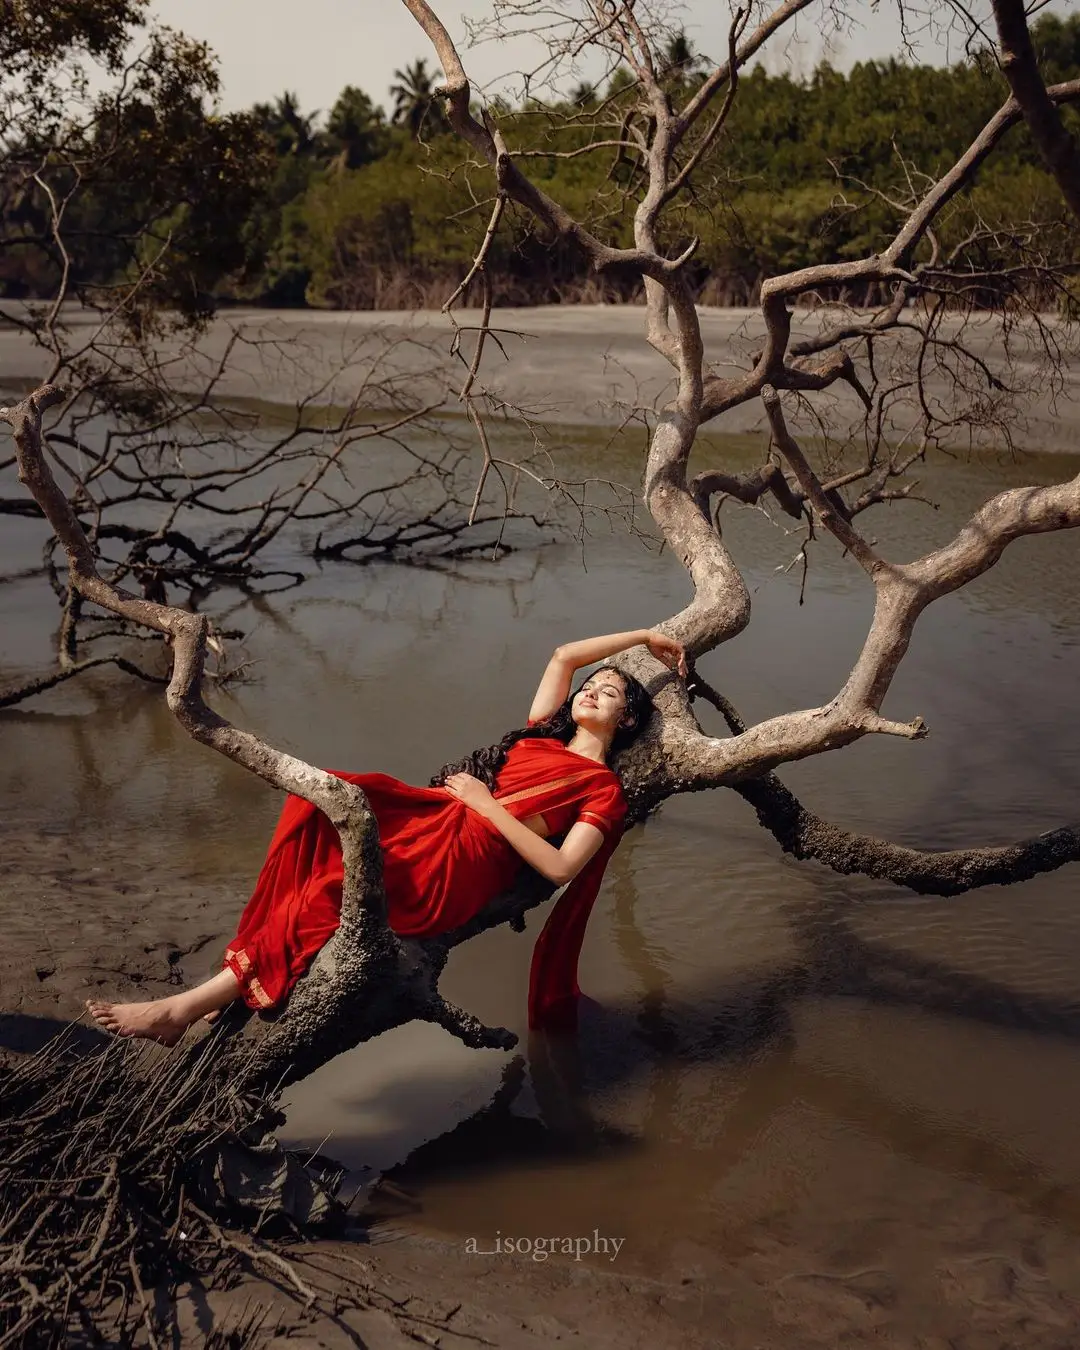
114,1179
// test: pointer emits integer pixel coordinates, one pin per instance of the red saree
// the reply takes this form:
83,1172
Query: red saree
442,863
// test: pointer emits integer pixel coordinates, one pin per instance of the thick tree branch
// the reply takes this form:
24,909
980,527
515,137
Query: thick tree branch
344,804
977,547
902,592
804,835
1048,131
748,488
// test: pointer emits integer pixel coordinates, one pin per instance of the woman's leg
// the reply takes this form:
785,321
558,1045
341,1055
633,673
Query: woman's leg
166,1019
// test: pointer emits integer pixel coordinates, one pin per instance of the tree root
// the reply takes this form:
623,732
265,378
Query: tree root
103,1194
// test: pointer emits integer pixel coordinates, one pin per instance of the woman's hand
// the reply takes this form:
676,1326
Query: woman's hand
667,650
469,790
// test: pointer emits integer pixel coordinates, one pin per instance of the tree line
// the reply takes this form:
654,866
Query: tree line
353,208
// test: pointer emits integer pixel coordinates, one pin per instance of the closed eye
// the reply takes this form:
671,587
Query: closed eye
608,689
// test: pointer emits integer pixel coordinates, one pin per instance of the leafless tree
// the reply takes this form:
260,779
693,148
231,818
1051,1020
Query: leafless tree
192,450
381,981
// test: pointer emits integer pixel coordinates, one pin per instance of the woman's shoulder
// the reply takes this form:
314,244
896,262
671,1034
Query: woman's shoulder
532,745
551,745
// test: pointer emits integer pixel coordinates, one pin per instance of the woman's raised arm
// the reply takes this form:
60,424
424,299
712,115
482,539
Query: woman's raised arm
571,656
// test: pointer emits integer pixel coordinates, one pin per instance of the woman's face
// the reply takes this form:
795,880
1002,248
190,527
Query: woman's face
600,703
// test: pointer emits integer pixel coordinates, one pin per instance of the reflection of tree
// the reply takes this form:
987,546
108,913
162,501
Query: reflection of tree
645,961
497,1136
747,1026
843,964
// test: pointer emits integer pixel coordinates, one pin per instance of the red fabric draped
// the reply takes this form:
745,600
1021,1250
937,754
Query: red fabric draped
442,863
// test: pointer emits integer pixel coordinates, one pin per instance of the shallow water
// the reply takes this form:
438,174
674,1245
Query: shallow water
786,1074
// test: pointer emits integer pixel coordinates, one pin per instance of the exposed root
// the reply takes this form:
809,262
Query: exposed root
113,1186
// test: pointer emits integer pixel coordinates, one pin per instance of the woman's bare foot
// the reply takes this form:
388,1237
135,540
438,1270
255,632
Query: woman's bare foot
159,1021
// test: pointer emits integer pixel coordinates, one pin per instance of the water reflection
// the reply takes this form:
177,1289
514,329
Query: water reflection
783,1070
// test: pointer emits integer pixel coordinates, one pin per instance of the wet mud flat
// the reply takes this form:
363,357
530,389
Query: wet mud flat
121,918
583,364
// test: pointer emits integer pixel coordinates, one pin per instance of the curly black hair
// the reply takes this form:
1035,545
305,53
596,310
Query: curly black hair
560,726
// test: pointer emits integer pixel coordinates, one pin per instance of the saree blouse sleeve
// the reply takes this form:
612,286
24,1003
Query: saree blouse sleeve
605,807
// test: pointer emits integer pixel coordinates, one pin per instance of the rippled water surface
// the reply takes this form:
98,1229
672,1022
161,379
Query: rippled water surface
778,1059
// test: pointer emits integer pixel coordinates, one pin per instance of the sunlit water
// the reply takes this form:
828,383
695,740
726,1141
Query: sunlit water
778,1059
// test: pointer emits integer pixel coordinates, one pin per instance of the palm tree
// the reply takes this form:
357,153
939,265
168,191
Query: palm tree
414,98
292,131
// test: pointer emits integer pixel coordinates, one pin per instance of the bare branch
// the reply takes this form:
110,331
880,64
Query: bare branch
828,508
484,139
804,835
1040,110
342,803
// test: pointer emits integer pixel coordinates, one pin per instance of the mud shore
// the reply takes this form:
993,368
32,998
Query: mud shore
586,364
112,920
110,917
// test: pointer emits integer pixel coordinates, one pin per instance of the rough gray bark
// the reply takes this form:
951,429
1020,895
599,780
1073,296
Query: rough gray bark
805,836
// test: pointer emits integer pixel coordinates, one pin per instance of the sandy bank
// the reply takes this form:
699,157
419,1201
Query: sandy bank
584,364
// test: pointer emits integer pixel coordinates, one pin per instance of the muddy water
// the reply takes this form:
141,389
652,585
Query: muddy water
787,1078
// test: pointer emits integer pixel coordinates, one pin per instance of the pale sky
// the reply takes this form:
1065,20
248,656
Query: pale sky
316,47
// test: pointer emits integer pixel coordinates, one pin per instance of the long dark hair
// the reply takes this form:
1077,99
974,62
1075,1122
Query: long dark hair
560,726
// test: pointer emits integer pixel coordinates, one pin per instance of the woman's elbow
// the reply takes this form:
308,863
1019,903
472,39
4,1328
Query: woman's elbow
560,656
562,873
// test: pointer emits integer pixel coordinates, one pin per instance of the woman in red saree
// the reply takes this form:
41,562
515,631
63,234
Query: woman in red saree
448,849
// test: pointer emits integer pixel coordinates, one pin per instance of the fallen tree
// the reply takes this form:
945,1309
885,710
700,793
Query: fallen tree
367,980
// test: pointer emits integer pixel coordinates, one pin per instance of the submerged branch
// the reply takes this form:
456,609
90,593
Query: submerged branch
804,835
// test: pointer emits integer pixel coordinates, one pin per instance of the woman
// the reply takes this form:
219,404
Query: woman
448,849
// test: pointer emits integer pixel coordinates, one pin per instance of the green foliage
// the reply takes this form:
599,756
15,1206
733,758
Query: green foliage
36,35
415,105
807,171
138,192
393,219
348,209
1057,43
355,129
